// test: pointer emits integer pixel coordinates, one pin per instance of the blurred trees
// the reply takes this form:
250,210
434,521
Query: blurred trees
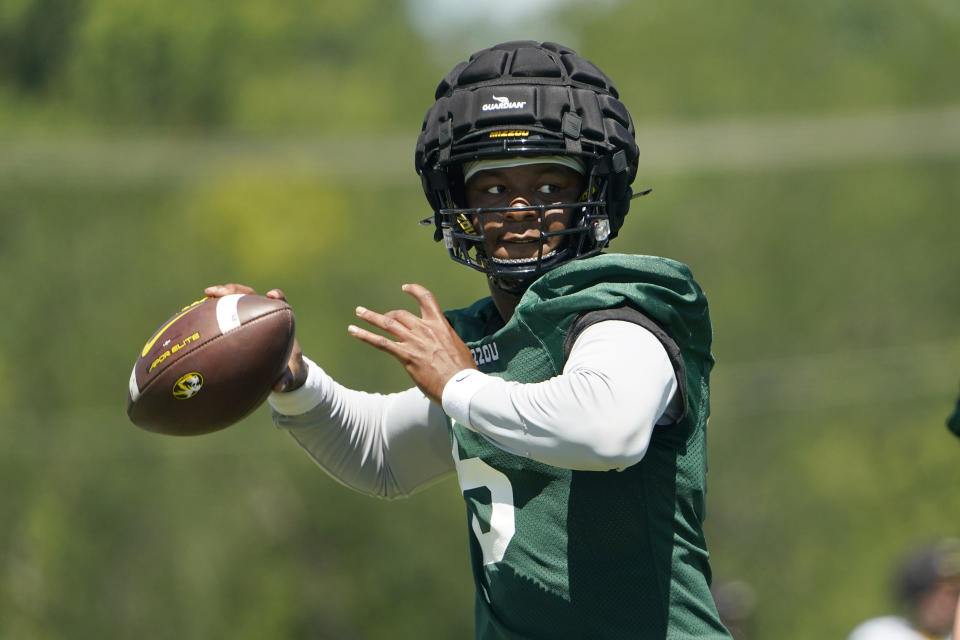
204,64
688,60
184,50
36,40
293,66
271,143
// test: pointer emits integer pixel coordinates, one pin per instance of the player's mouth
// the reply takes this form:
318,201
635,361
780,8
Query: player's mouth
527,237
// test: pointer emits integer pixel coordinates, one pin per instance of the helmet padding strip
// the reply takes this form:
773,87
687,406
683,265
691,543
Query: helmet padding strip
471,167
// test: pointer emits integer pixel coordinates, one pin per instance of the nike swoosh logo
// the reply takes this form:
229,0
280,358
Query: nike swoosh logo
153,340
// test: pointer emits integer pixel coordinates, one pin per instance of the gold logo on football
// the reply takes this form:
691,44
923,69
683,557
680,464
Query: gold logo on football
188,385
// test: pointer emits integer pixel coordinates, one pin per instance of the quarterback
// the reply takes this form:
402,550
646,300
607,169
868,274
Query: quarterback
572,402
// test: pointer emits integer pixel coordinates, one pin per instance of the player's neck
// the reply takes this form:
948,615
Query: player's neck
505,302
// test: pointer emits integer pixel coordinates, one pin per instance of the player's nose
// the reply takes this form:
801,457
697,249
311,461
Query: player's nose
517,214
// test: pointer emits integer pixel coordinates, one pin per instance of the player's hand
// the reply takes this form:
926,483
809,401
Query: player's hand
295,374
427,346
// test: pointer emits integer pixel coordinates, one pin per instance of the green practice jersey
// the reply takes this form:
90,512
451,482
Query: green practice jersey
558,553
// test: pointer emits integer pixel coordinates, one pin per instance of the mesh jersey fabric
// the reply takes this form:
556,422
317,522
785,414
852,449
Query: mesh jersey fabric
558,553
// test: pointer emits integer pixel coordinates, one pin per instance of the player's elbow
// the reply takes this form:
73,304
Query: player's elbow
618,428
609,441
618,446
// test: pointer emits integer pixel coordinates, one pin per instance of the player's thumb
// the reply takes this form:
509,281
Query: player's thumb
294,375
285,382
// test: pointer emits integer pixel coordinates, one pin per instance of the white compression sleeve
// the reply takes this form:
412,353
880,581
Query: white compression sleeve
599,414
383,445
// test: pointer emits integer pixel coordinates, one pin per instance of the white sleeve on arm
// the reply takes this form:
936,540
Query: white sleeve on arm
599,414
387,446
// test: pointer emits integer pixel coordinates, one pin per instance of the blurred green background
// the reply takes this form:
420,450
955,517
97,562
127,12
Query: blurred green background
805,160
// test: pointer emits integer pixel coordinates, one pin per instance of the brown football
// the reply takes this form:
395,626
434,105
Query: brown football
211,364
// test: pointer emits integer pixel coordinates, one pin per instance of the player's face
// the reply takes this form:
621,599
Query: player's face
514,234
937,608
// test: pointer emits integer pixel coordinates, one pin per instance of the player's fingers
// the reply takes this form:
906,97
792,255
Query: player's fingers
374,339
220,290
388,322
276,294
429,307
404,317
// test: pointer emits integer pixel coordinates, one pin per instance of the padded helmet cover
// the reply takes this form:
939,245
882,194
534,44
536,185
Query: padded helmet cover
527,98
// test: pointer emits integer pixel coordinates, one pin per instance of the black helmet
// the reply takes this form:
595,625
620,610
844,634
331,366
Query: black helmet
527,99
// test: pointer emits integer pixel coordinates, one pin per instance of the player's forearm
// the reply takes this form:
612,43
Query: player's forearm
383,445
598,415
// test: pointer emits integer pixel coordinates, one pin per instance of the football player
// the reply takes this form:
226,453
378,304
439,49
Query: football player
953,422
571,402
928,587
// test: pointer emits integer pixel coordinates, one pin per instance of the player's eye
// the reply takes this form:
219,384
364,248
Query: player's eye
548,188
495,189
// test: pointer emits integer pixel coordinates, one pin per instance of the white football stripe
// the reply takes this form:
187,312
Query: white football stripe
227,316
132,385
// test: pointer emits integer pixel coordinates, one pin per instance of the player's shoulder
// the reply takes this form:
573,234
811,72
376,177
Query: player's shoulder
621,277
643,262
655,269
653,264
625,267
662,289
